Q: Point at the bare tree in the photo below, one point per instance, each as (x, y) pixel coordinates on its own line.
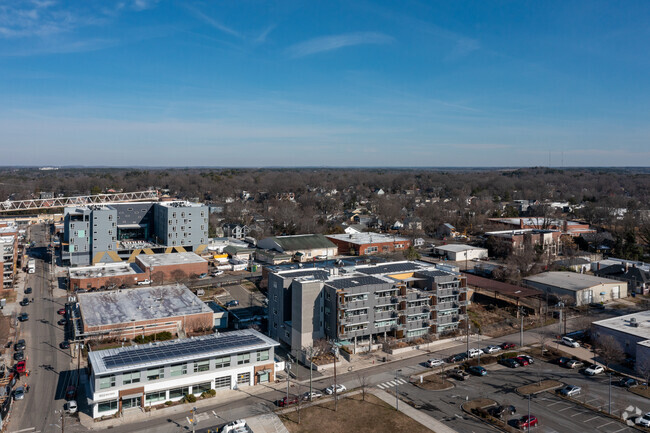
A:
(178, 275)
(543, 337)
(609, 350)
(364, 384)
(300, 400)
(158, 278)
(643, 368)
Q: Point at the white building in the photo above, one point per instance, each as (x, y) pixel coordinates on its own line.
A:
(580, 289)
(632, 332)
(459, 252)
(133, 377)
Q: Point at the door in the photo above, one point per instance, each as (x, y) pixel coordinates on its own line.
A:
(132, 402)
(616, 292)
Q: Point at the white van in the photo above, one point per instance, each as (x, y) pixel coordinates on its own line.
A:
(71, 406)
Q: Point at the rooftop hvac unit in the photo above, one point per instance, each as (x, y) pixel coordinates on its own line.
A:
(634, 323)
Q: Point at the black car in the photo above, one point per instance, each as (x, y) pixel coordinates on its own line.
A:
(19, 356)
(61, 322)
(509, 362)
(457, 358)
(501, 411)
(562, 361)
(24, 302)
(20, 345)
(28, 290)
(64, 345)
(627, 382)
(23, 317)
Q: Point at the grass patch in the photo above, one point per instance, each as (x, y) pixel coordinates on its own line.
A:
(537, 387)
(353, 415)
(479, 403)
(9, 295)
(641, 390)
(434, 382)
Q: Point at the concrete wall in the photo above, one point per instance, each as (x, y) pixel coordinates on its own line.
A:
(306, 313)
(585, 296)
(189, 323)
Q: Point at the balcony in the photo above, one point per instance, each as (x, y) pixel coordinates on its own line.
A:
(446, 306)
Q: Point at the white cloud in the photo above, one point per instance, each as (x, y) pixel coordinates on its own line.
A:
(334, 42)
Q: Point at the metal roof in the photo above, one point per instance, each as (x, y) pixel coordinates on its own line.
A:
(319, 274)
(569, 280)
(302, 242)
(390, 268)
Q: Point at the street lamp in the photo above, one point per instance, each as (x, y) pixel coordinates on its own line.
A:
(396, 389)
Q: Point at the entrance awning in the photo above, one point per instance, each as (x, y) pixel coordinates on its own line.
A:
(125, 397)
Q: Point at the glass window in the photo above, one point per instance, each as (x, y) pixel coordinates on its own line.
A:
(178, 369)
(243, 358)
(262, 355)
(222, 362)
(200, 366)
(106, 382)
(201, 388)
(107, 406)
(222, 382)
(244, 378)
(155, 373)
(179, 392)
(154, 397)
(133, 377)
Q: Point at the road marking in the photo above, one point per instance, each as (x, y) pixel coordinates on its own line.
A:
(25, 430)
(579, 413)
(557, 402)
(624, 428)
(591, 419)
(611, 422)
(566, 408)
(593, 399)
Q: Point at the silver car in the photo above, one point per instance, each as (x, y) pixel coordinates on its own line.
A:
(570, 391)
(19, 393)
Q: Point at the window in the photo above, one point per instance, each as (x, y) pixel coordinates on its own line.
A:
(178, 370)
(201, 388)
(200, 366)
(222, 382)
(155, 373)
(107, 406)
(133, 377)
(106, 382)
(262, 355)
(222, 362)
(244, 379)
(154, 397)
(179, 392)
(243, 358)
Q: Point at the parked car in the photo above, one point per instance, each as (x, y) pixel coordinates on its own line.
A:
(501, 411)
(233, 425)
(506, 346)
(28, 290)
(20, 345)
(473, 353)
(521, 361)
(60, 311)
(23, 317)
(509, 362)
(19, 356)
(477, 370)
(339, 389)
(597, 305)
(71, 392)
(232, 303)
(203, 275)
(457, 358)
(491, 349)
(21, 367)
(144, 282)
(24, 302)
(434, 362)
(64, 345)
(459, 374)
(287, 401)
(19, 393)
(562, 361)
(61, 322)
(528, 358)
(314, 394)
(574, 363)
(644, 420)
(594, 369)
(568, 341)
(217, 273)
(71, 407)
(627, 382)
(527, 421)
(570, 391)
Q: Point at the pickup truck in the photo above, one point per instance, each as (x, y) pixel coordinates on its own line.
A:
(144, 282)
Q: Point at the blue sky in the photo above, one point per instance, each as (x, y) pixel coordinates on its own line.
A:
(324, 83)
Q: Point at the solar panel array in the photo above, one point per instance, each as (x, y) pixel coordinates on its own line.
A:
(186, 348)
(436, 274)
(316, 273)
(389, 268)
(347, 283)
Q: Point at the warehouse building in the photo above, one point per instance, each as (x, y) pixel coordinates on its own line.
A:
(301, 247)
(632, 332)
(577, 289)
(135, 377)
(361, 244)
(459, 252)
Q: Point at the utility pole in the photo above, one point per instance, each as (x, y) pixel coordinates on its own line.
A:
(521, 329)
(288, 369)
(311, 369)
(610, 394)
(336, 389)
(396, 391)
(467, 332)
(529, 412)
(478, 346)
(193, 419)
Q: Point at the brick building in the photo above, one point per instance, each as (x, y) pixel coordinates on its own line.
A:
(369, 243)
(165, 266)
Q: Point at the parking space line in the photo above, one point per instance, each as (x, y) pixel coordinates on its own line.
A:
(591, 419)
(611, 422)
(579, 413)
(557, 402)
(565, 408)
(624, 428)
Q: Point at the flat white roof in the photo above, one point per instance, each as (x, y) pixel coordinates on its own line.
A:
(169, 259)
(104, 270)
(624, 324)
(367, 238)
(571, 280)
(457, 248)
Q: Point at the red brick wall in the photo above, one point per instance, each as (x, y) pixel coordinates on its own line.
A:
(188, 268)
(360, 250)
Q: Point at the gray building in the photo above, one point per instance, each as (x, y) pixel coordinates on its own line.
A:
(358, 304)
(632, 332)
(113, 232)
(577, 289)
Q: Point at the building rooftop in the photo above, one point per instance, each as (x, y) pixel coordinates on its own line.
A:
(570, 280)
(105, 270)
(395, 267)
(149, 260)
(368, 238)
(301, 242)
(180, 203)
(126, 306)
(354, 281)
(176, 351)
(500, 287)
(457, 248)
(625, 324)
(519, 232)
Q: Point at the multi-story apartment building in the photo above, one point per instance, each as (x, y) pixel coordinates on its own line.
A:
(361, 303)
(8, 254)
(114, 232)
(134, 377)
(505, 242)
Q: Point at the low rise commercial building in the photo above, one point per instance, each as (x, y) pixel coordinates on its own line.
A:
(506, 242)
(577, 289)
(110, 275)
(165, 267)
(369, 243)
(301, 247)
(126, 314)
(632, 332)
(459, 252)
(134, 377)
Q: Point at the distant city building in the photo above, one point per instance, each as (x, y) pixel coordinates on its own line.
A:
(505, 242)
(577, 289)
(115, 232)
(301, 247)
(572, 228)
(457, 252)
(369, 243)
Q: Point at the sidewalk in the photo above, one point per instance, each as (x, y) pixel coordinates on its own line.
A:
(419, 416)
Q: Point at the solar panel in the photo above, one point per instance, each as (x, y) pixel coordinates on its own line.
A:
(179, 349)
(388, 268)
(346, 283)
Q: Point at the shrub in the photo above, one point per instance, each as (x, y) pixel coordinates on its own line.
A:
(168, 403)
(189, 398)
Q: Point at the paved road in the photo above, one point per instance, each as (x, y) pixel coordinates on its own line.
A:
(48, 365)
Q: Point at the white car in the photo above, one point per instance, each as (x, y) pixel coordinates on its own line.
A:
(492, 349)
(339, 389)
(234, 425)
(144, 282)
(434, 362)
(314, 394)
(71, 406)
(217, 273)
(644, 420)
(473, 353)
(568, 341)
(594, 369)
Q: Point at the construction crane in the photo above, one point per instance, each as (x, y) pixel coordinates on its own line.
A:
(82, 200)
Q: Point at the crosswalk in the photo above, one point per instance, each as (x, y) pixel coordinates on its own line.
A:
(391, 384)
